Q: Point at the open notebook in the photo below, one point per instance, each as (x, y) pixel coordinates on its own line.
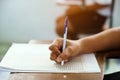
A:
(36, 58)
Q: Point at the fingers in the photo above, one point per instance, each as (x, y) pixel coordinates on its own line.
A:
(59, 58)
(55, 48)
(62, 57)
(56, 45)
(57, 55)
(65, 55)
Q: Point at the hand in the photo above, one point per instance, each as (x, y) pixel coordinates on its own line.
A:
(71, 50)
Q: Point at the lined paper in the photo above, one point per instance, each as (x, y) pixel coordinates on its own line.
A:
(36, 58)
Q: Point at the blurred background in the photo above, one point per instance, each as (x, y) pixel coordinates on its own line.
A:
(24, 20)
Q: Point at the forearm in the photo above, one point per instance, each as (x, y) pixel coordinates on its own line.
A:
(106, 40)
(97, 6)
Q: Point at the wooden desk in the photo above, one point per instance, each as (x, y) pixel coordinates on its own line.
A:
(59, 76)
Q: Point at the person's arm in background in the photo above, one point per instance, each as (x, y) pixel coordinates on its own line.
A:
(106, 40)
(88, 4)
(97, 6)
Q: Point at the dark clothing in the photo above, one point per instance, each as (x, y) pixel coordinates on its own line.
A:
(113, 76)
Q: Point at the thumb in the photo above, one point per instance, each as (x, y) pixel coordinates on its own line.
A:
(65, 55)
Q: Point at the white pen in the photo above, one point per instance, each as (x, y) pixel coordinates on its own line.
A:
(65, 36)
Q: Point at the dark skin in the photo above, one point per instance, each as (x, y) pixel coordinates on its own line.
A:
(106, 40)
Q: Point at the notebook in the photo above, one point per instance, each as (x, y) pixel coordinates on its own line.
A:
(36, 58)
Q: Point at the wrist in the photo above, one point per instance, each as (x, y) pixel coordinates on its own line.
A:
(84, 45)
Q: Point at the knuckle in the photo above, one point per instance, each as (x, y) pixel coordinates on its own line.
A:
(64, 56)
(58, 39)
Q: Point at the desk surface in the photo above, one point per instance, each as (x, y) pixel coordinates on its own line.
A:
(59, 76)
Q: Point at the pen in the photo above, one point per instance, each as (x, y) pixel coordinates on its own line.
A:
(64, 36)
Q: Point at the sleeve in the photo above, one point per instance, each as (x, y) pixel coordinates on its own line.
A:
(87, 2)
(103, 1)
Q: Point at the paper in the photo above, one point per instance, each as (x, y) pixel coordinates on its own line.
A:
(36, 58)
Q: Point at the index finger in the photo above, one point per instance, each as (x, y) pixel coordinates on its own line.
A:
(56, 45)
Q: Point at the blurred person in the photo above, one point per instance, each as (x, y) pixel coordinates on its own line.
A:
(88, 17)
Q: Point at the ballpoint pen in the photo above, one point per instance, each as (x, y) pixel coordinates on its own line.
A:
(65, 36)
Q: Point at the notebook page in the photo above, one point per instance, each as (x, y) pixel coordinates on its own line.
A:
(36, 58)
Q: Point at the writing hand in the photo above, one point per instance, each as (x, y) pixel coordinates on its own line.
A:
(71, 50)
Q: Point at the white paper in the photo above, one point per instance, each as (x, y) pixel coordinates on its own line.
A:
(36, 58)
